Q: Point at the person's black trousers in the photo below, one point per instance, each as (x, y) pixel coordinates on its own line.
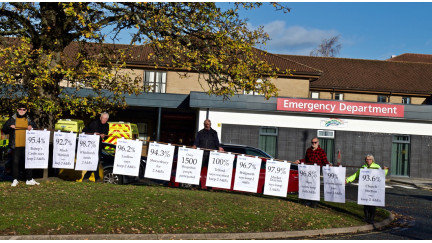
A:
(369, 212)
(18, 164)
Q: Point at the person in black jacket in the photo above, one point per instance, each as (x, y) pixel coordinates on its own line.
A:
(207, 138)
(99, 127)
(16, 127)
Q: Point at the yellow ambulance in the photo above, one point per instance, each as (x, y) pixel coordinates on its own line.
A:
(4, 138)
(67, 125)
(119, 129)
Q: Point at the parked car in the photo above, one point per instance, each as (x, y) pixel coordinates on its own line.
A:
(247, 150)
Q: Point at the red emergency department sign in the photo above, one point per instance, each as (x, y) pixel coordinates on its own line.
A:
(338, 107)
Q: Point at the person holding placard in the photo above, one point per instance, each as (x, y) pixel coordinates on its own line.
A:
(314, 155)
(207, 138)
(369, 211)
(16, 127)
(99, 127)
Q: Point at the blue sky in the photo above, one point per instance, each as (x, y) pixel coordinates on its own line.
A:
(368, 30)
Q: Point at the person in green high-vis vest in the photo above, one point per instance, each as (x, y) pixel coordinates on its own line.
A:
(369, 211)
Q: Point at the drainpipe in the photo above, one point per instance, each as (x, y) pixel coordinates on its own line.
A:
(158, 124)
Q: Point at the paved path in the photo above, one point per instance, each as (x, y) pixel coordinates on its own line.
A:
(209, 236)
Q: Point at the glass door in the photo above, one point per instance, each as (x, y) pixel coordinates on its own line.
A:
(400, 155)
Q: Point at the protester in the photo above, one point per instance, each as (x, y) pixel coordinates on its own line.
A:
(314, 155)
(16, 127)
(369, 211)
(207, 138)
(99, 127)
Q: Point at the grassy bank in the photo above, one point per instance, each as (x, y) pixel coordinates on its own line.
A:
(61, 207)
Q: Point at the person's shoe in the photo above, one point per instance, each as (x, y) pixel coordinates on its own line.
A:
(32, 182)
(15, 182)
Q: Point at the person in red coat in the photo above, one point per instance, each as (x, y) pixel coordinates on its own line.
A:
(314, 155)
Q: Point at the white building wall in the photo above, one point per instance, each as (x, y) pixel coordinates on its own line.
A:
(310, 122)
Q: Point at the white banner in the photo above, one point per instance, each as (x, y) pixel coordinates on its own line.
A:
(371, 188)
(189, 162)
(276, 178)
(127, 157)
(334, 184)
(247, 173)
(159, 161)
(37, 149)
(309, 182)
(88, 152)
(220, 168)
(64, 150)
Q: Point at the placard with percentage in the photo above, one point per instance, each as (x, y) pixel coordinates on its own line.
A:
(276, 178)
(88, 152)
(37, 149)
(189, 162)
(334, 184)
(219, 173)
(371, 188)
(159, 161)
(309, 182)
(127, 157)
(247, 173)
(64, 150)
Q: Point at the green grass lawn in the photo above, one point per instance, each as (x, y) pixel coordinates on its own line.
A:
(64, 207)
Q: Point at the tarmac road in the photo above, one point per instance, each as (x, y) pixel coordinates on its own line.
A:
(412, 208)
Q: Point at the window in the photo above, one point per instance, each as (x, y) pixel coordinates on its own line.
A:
(325, 134)
(338, 96)
(268, 140)
(155, 81)
(406, 100)
(259, 81)
(382, 98)
(315, 95)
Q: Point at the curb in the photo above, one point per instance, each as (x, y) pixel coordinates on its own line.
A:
(208, 236)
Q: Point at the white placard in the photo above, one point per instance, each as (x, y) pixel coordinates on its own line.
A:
(334, 184)
(189, 162)
(37, 149)
(371, 188)
(159, 161)
(247, 173)
(127, 157)
(64, 150)
(219, 173)
(88, 152)
(276, 178)
(309, 182)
